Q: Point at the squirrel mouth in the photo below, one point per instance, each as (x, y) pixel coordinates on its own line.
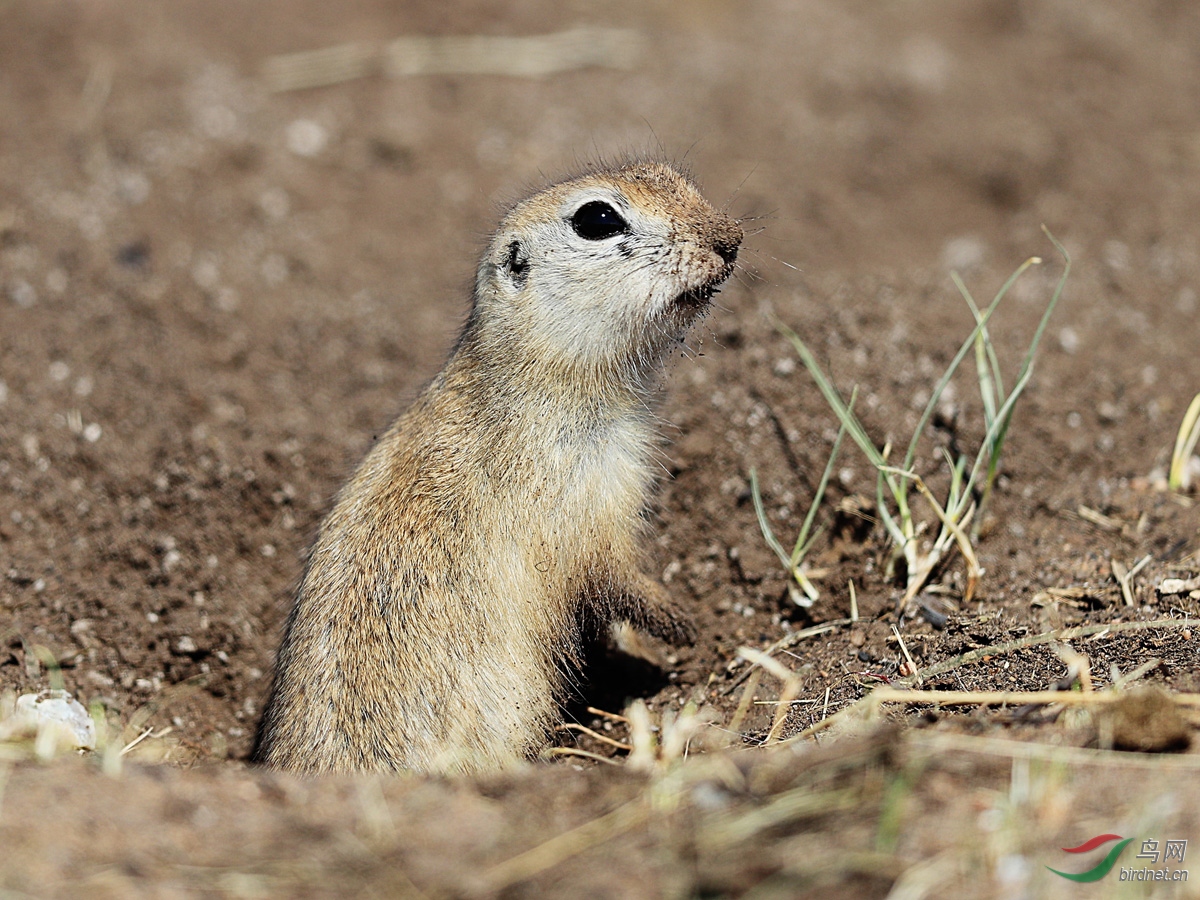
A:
(698, 297)
(695, 299)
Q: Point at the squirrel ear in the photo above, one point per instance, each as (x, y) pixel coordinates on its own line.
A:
(516, 263)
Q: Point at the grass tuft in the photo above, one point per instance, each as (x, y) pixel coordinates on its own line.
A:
(971, 480)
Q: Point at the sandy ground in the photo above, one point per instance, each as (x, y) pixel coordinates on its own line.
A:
(214, 296)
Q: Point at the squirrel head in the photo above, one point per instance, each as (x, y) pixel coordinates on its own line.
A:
(607, 269)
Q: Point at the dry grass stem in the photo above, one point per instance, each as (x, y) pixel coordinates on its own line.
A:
(1011, 698)
(926, 564)
(788, 641)
(562, 847)
(318, 68)
(945, 744)
(608, 715)
(1065, 634)
(743, 707)
(168, 696)
(791, 690)
(773, 666)
(791, 687)
(1139, 673)
(1125, 576)
(1108, 523)
(533, 56)
(595, 735)
(551, 752)
(868, 707)
(1076, 596)
(864, 709)
(924, 878)
(777, 702)
(148, 733)
(641, 738)
(730, 830)
(912, 663)
(957, 527)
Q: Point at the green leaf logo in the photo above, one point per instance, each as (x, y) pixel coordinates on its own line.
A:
(1105, 865)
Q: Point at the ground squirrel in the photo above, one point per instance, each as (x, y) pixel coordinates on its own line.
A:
(500, 519)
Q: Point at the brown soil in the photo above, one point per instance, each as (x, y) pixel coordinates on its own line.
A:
(202, 330)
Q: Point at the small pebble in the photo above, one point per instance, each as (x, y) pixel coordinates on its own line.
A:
(22, 294)
(963, 253)
(54, 719)
(306, 137)
(274, 202)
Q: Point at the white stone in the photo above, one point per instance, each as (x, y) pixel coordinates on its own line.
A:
(964, 253)
(306, 137)
(22, 293)
(275, 203)
(55, 720)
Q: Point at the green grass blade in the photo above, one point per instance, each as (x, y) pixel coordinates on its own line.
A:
(802, 542)
(895, 532)
(993, 443)
(958, 498)
(940, 387)
(767, 533)
(812, 539)
(847, 418)
(989, 348)
(988, 369)
(1185, 445)
(810, 590)
(855, 429)
(1027, 365)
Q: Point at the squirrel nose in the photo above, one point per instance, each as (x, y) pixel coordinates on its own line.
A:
(726, 240)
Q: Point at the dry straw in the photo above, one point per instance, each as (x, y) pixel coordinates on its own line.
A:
(534, 56)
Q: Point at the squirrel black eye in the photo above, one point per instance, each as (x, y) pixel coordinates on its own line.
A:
(597, 220)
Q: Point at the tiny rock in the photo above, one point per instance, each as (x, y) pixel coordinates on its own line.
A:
(53, 719)
(1171, 586)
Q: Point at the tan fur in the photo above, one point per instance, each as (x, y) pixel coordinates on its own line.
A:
(502, 516)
